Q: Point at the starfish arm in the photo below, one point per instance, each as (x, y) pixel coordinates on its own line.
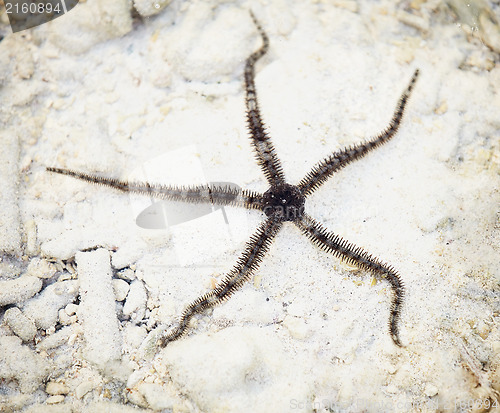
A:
(264, 149)
(213, 194)
(322, 171)
(352, 254)
(247, 264)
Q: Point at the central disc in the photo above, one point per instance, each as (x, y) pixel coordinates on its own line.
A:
(285, 202)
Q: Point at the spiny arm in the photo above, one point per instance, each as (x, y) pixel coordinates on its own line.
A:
(213, 194)
(247, 264)
(264, 149)
(322, 171)
(354, 255)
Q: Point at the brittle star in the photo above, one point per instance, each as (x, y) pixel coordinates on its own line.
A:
(282, 202)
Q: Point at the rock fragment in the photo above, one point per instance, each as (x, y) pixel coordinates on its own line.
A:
(21, 325)
(55, 388)
(55, 399)
(148, 8)
(121, 289)
(59, 338)
(44, 309)
(20, 363)
(18, 290)
(97, 308)
(10, 221)
(84, 387)
(41, 268)
(135, 305)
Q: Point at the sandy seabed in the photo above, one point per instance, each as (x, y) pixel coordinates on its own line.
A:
(84, 289)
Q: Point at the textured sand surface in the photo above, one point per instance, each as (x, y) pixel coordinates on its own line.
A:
(85, 290)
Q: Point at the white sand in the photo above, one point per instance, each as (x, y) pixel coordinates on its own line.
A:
(98, 91)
